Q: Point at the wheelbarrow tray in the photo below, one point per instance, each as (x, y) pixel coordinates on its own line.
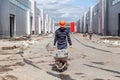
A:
(60, 58)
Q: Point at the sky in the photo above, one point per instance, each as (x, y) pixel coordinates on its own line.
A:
(68, 10)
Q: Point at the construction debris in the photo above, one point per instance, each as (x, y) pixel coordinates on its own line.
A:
(28, 37)
(48, 36)
(9, 77)
(85, 35)
(111, 42)
(9, 48)
(26, 44)
(111, 38)
(6, 52)
(32, 42)
(106, 41)
(117, 43)
(12, 49)
(49, 47)
(18, 39)
(22, 38)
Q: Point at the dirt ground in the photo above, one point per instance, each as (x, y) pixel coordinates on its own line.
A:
(88, 60)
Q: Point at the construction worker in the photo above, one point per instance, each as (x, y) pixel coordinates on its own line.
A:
(62, 36)
(90, 35)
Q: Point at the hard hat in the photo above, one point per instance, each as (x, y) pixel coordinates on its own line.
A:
(62, 23)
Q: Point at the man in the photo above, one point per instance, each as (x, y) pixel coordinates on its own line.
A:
(61, 36)
(90, 35)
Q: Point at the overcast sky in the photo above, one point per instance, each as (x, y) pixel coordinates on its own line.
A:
(69, 10)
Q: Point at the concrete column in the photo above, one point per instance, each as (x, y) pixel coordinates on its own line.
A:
(103, 8)
(53, 31)
(35, 25)
(105, 17)
(47, 23)
(42, 19)
(101, 17)
(28, 22)
(50, 24)
(91, 17)
(45, 27)
(40, 25)
(33, 12)
(84, 28)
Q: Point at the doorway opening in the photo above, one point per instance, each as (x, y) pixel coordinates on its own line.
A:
(31, 24)
(87, 28)
(119, 25)
(12, 25)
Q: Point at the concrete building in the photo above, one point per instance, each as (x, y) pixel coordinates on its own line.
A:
(88, 20)
(103, 18)
(82, 24)
(112, 17)
(43, 20)
(109, 21)
(23, 17)
(96, 16)
(106, 15)
(36, 19)
(46, 24)
(53, 26)
(33, 16)
(38, 22)
(50, 25)
(14, 16)
(78, 26)
(86, 24)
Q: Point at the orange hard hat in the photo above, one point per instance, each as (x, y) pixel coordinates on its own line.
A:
(62, 23)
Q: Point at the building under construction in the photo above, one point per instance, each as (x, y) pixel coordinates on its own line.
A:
(103, 18)
(21, 17)
(14, 16)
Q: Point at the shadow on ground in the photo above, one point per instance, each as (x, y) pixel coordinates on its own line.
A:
(29, 62)
(61, 76)
(113, 71)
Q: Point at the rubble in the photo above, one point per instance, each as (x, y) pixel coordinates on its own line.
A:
(106, 41)
(32, 42)
(26, 44)
(49, 47)
(110, 38)
(85, 35)
(18, 39)
(7, 52)
(9, 47)
(10, 50)
(9, 77)
(117, 43)
(22, 38)
(109, 41)
(5, 69)
(48, 36)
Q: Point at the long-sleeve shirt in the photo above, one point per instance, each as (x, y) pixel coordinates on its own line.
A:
(62, 36)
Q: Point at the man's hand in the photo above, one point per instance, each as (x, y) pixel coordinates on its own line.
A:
(70, 48)
(54, 48)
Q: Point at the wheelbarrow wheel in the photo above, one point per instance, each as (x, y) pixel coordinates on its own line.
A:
(60, 70)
